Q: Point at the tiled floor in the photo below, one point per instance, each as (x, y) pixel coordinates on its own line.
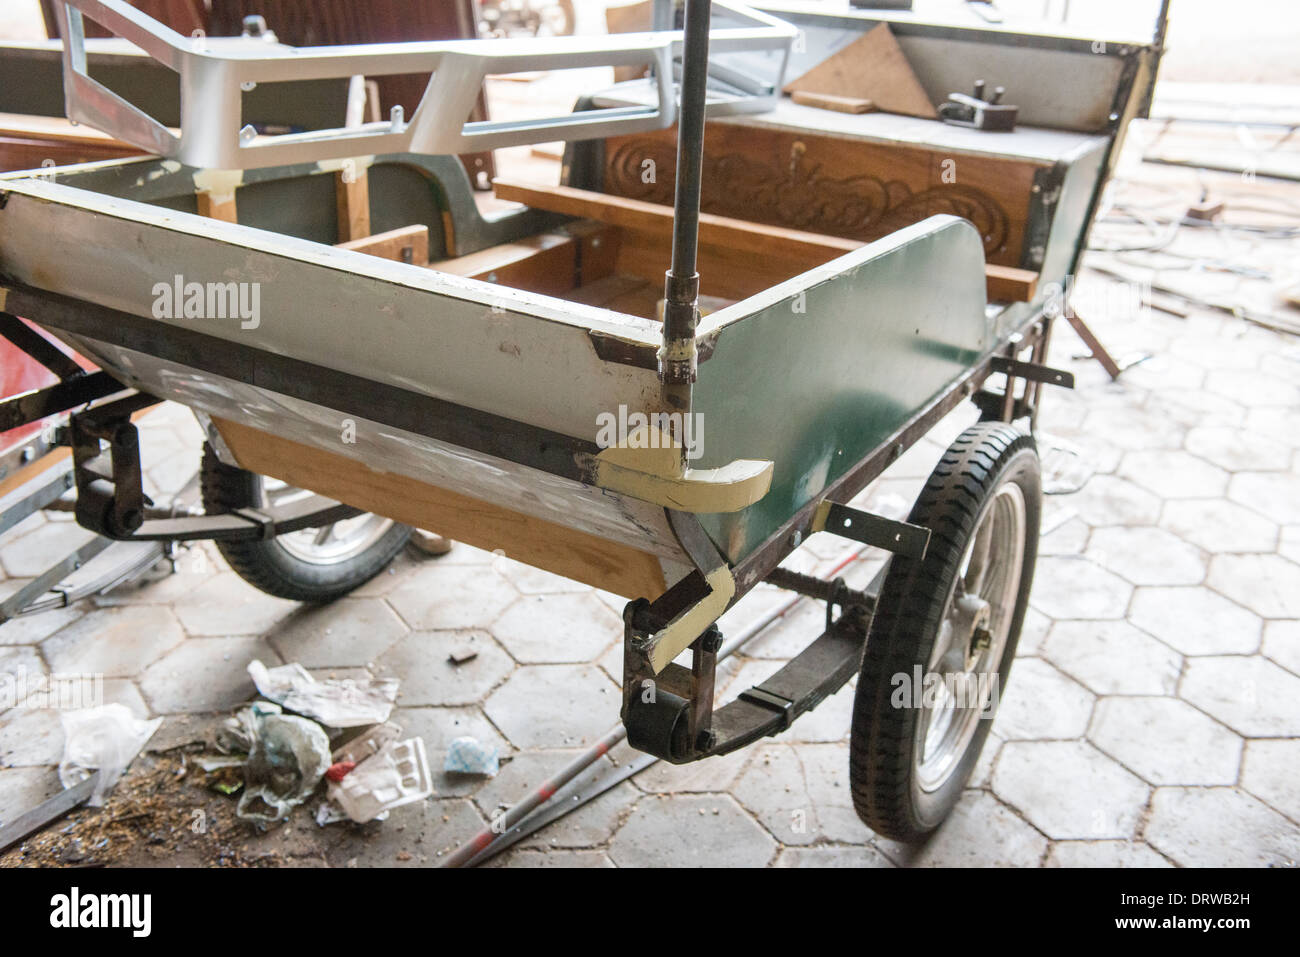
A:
(1153, 717)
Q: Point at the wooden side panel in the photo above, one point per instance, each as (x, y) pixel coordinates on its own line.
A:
(826, 184)
(556, 548)
(409, 244)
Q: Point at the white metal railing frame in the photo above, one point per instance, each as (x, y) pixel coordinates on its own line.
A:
(214, 75)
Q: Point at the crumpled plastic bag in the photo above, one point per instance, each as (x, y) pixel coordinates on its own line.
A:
(346, 703)
(288, 757)
(106, 738)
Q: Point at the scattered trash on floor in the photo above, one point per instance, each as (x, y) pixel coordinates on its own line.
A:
(470, 756)
(104, 739)
(395, 775)
(288, 758)
(345, 703)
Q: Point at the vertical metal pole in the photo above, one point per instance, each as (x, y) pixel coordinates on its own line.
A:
(677, 356)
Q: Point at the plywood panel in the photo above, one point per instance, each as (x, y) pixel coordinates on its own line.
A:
(556, 548)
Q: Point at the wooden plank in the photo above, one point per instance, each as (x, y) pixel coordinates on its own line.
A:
(223, 209)
(743, 236)
(352, 195)
(1007, 284)
(872, 67)
(546, 263)
(565, 551)
(408, 244)
(830, 101)
(737, 258)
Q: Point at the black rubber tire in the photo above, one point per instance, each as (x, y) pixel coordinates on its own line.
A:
(882, 759)
(267, 565)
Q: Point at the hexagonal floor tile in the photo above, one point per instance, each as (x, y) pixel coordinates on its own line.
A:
(1251, 695)
(116, 642)
(32, 629)
(38, 550)
(554, 706)
(1196, 407)
(550, 629)
(687, 830)
(1282, 644)
(226, 605)
(205, 674)
(1033, 632)
(1220, 827)
(1279, 424)
(1078, 588)
(1218, 525)
(21, 661)
(1268, 585)
(1215, 352)
(1134, 429)
(1288, 543)
(1069, 789)
(980, 832)
(1270, 771)
(1068, 538)
(453, 597)
(1112, 657)
(822, 857)
(22, 789)
(1041, 703)
(1107, 854)
(1251, 388)
(422, 660)
(801, 794)
(1108, 500)
(1275, 495)
(1196, 621)
(1166, 741)
(1236, 450)
(1147, 556)
(30, 737)
(1173, 474)
(352, 632)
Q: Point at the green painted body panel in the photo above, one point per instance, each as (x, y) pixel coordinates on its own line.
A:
(833, 361)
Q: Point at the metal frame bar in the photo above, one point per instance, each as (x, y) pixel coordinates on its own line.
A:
(212, 134)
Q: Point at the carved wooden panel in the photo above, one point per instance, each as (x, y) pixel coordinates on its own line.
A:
(824, 184)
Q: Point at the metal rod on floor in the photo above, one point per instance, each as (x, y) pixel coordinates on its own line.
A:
(509, 828)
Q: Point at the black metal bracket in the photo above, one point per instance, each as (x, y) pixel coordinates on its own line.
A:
(1032, 371)
(111, 499)
(110, 484)
(900, 538)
